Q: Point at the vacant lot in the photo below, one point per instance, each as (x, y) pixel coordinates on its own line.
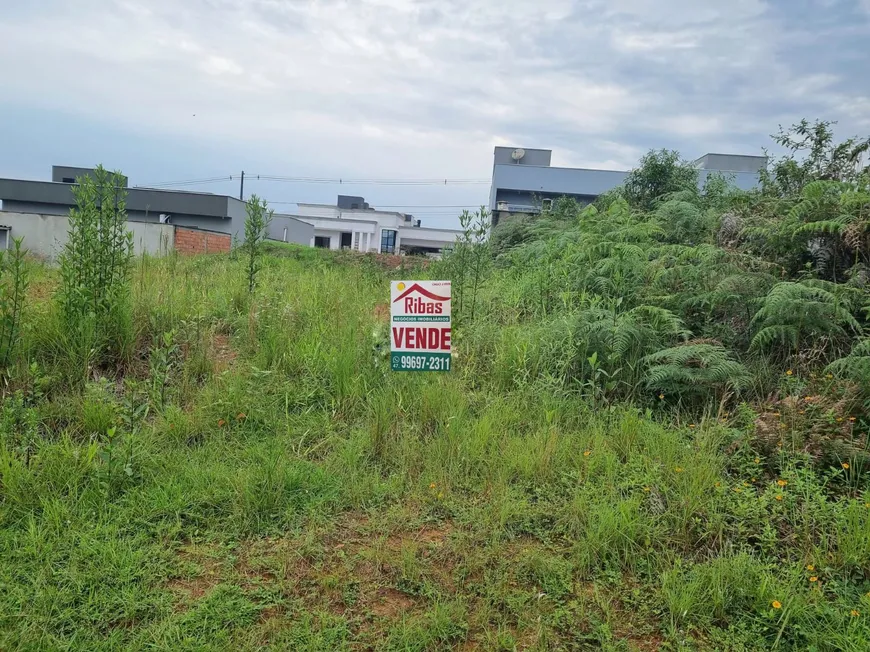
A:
(254, 476)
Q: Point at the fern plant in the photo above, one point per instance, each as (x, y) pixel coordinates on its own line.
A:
(694, 369)
(855, 366)
(797, 314)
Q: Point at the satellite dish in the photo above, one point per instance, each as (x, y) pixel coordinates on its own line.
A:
(518, 154)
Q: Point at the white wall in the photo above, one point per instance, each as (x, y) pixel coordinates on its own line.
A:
(45, 235)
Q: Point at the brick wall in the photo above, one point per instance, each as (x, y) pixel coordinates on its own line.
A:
(193, 241)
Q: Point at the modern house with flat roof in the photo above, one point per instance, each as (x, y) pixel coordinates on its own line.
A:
(523, 181)
(353, 224)
(195, 210)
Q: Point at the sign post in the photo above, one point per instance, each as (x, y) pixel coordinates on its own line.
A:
(420, 325)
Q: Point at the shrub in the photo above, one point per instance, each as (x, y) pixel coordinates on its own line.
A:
(256, 229)
(95, 267)
(13, 289)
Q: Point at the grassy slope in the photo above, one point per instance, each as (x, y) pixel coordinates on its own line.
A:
(292, 493)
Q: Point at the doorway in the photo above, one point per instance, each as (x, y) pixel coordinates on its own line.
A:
(346, 240)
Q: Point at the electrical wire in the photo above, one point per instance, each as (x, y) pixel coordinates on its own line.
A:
(384, 182)
(186, 182)
(380, 206)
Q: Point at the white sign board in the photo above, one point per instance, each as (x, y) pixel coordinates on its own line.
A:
(420, 325)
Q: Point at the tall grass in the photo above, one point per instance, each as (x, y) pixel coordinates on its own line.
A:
(494, 504)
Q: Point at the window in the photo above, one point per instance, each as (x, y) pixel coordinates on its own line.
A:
(546, 205)
(388, 241)
(68, 180)
(321, 241)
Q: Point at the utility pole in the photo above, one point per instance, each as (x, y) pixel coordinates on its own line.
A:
(242, 188)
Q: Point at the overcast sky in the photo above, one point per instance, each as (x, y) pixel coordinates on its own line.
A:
(170, 90)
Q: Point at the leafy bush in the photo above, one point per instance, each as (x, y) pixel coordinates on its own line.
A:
(256, 229)
(95, 267)
(13, 290)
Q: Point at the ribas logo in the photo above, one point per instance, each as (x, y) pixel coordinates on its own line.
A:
(417, 305)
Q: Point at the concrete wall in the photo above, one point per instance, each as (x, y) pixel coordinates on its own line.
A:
(504, 156)
(46, 235)
(288, 229)
(61, 172)
(732, 162)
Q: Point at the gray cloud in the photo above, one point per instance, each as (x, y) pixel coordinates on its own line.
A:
(402, 88)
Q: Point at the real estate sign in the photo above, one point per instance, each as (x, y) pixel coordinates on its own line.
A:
(420, 325)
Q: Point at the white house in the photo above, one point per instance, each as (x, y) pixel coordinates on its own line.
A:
(353, 224)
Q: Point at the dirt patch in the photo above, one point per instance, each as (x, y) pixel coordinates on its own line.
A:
(426, 536)
(389, 603)
(650, 643)
(223, 354)
(271, 612)
(193, 588)
(382, 312)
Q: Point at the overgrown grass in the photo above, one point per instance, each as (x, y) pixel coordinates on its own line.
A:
(270, 483)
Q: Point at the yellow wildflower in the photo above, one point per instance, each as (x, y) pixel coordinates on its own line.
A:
(778, 497)
(661, 397)
(845, 465)
(776, 604)
(782, 483)
(810, 567)
(587, 453)
(788, 373)
(854, 613)
(814, 579)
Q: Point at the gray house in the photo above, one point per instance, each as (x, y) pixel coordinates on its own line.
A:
(197, 210)
(523, 181)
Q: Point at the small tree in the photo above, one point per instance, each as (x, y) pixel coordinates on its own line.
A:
(661, 172)
(256, 228)
(13, 291)
(467, 261)
(813, 154)
(96, 261)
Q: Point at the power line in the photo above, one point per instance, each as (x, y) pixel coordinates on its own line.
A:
(385, 182)
(380, 206)
(185, 182)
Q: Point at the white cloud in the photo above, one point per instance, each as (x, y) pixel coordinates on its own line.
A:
(426, 87)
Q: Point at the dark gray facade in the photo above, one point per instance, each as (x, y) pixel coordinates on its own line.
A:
(192, 209)
(67, 174)
(352, 203)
